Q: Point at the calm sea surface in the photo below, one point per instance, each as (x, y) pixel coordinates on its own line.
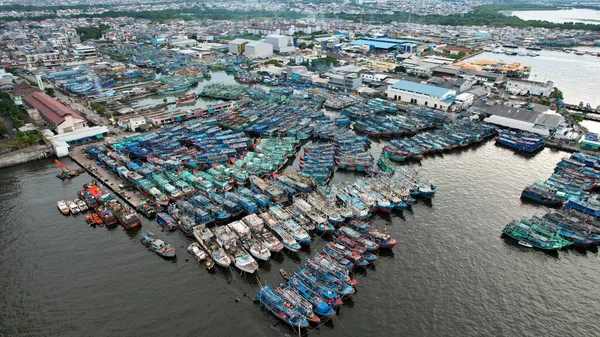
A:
(588, 16)
(451, 275)
(577, 76)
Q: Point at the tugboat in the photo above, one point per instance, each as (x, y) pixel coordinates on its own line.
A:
(158, 246)
(88, 198)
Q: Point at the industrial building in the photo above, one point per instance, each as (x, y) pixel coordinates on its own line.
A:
(300, 74)
(58, 117)
(418, 67)
(386, 45)
(85, 53)
(250, 48)
(268, 30)
(183, 43)
(521, 119)
(62, 142)
(258, 49)
(238, 46)
(343, 81)
(422, 94)
(526, 87)
(281, 43)
(463, 101)
(346, 77)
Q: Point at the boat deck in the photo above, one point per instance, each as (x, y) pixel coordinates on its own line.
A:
(111, 180)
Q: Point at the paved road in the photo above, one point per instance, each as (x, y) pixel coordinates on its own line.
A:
(78, 105)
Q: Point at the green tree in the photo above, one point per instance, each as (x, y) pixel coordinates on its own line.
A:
(400, 69)
(557, 94)
(275, 63)
(50, 92)
(4, 130)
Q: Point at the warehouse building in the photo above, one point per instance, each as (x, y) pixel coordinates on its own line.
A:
(53, 113)
(238, 46)
(521, 119)
(422, 94)
(526, 87)
(386, 45)
(281, 43)
(257, 49)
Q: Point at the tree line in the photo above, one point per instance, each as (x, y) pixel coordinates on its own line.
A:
(486, 15)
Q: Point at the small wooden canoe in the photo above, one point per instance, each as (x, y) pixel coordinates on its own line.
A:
(284, 274)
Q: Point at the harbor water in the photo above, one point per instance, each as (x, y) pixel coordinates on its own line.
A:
(566, 70)
(201, 102)
(450, 275)
(582, 15)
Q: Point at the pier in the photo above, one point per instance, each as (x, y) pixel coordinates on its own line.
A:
(581, 108)
(565, 146)
(591, 116)
(109, 179)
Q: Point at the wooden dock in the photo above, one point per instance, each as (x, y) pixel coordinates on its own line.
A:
(109, 179)
(569, 147)
(581, 108)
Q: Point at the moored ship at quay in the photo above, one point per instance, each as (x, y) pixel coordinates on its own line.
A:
(219, 181)
(109, 210)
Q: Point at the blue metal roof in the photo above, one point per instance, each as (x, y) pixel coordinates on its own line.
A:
(375, 44)
(421, 88)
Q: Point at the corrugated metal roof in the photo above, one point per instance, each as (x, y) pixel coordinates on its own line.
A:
(375, 44)
(421, 88)
(549, 120)
(383, 39)
(49, 107)
(82, 133)
(515, 124)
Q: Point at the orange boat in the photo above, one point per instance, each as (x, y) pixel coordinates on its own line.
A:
(93, 219)
(101, 195)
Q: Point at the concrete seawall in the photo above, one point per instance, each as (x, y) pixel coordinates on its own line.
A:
(25, 155)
